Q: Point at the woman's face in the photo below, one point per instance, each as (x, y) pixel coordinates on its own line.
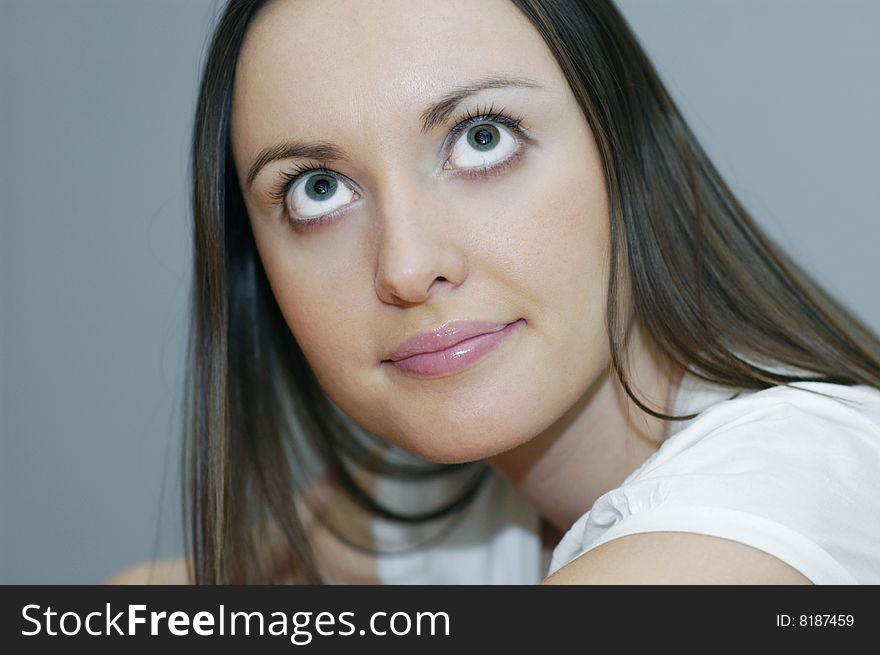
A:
(417, 234)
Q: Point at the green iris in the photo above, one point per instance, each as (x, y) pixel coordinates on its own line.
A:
(321, 187)
(483, 137)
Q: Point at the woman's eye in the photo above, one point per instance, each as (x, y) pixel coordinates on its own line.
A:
(312, 195)
(318, 194)
(482, 146)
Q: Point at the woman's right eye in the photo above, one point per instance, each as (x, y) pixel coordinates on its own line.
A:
(316, 194)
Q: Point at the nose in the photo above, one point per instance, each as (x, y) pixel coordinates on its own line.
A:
(418, 252)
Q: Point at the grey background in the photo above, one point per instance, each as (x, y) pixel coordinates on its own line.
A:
(96, 100)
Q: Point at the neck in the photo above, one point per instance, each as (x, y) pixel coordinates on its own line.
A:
(599, 440)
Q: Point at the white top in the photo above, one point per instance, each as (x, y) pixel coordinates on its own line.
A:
(496, 541)
(793, 473)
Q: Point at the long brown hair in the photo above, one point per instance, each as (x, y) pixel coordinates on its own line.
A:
(718, 298)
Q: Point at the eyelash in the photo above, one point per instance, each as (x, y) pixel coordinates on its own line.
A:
(464, 122)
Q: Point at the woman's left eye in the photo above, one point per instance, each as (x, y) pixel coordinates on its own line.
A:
(482, 146)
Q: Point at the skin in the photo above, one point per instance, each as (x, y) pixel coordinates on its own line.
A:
(417, 243)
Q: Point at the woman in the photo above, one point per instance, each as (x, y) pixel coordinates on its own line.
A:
(474, 247)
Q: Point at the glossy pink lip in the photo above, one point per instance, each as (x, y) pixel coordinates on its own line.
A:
(452, 348)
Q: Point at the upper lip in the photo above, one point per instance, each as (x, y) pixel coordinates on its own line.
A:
(446, 336)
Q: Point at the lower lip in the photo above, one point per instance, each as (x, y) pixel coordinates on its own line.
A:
(456, 358)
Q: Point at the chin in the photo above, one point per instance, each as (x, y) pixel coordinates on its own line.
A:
(449, 445)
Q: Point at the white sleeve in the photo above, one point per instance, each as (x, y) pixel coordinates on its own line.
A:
(789, 473)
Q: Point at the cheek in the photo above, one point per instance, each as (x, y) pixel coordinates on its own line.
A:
(545, 234)
(578, 265)
(560, 235)
(322, 305)
(565, 269)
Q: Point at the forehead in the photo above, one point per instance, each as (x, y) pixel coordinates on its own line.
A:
(311, 63)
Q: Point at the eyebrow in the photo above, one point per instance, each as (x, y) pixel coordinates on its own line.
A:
(432, 115)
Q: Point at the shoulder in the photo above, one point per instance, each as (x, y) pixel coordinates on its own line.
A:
(788, 426)
(337, 562)
(776, 451)
(676, 558)
(171, 571)
(781, 482)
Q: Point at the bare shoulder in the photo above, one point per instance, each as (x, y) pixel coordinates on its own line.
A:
(676, 558)
(171, 571)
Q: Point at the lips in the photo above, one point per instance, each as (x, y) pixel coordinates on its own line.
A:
(451, 349)
(442, 338)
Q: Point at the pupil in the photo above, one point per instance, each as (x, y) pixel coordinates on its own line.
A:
(483, 137)
(321, 188)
